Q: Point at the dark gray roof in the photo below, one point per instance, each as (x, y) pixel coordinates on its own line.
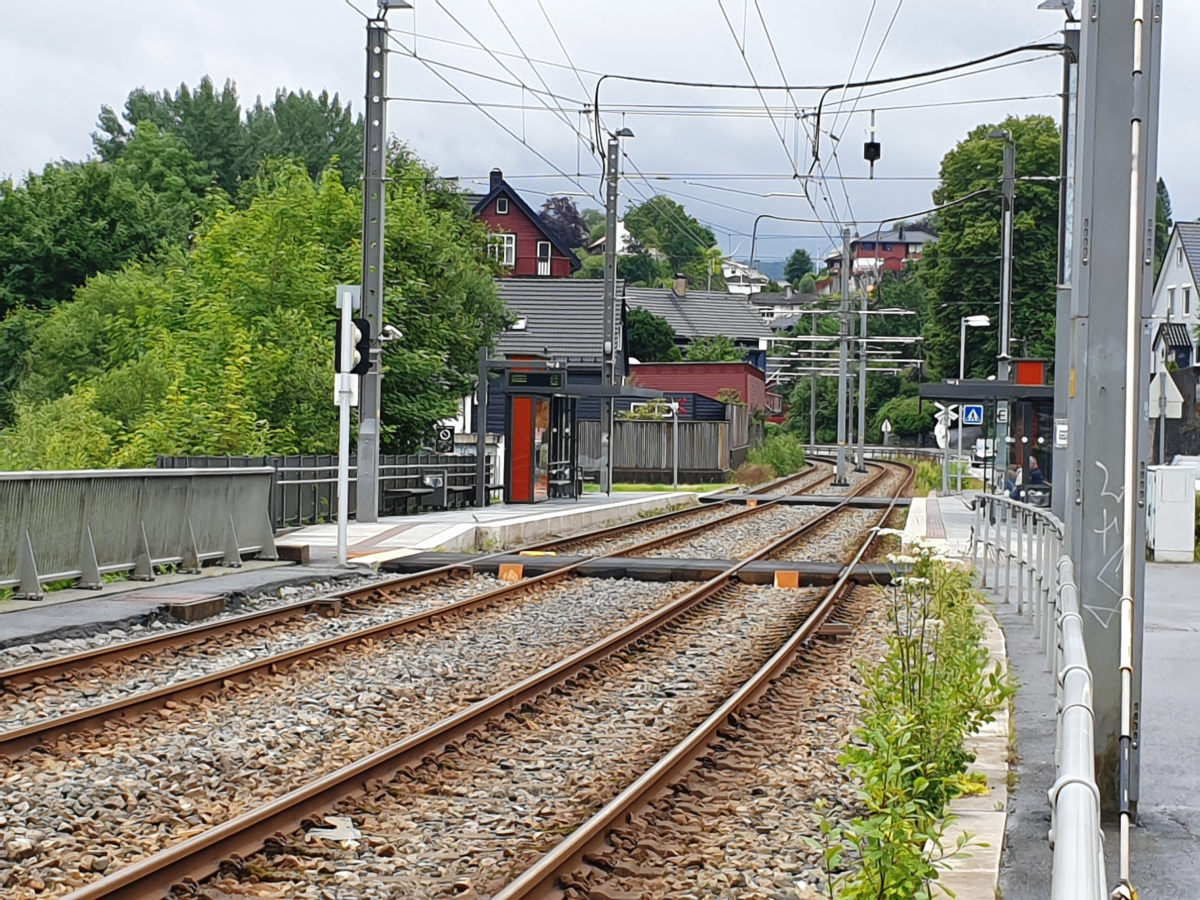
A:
(1189, 235)
(564, 317)
(700, 314)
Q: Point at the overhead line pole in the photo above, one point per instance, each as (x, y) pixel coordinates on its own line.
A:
(374, 180)
(1112, 267)
(608, 373)
(843, 361)
(862, 383)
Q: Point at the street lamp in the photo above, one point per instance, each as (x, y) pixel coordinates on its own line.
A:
(965, 323)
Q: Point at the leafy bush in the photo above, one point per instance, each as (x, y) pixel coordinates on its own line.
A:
(908, 416)
(754, 473)
(782, 453)
(909, 758)
(928, 477)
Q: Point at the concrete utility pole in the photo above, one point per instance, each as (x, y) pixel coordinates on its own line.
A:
(843, 361)
(608, 373)
(1112, 267)
(1006, 254)
(374, 178)
(1066, 199)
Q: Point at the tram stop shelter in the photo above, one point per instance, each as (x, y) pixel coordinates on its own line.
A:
(1031, 415)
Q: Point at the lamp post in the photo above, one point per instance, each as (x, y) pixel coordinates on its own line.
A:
(964, 323)
(1009, 183)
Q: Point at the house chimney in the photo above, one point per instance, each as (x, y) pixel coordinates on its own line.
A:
(497, 178)
(787, 292)
(680, 286)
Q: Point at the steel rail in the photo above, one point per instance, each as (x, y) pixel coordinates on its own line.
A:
(17, 741)
(541, 879)
(200, 856)
(128, 651)
(611, 530)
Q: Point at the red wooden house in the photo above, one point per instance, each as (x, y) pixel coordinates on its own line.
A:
(519, 239)
(707, 379)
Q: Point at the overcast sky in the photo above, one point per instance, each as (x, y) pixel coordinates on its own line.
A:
(59, 64)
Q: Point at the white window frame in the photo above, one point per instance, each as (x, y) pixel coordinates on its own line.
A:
(502, 206)
(502, 246)
(544, 260)
(1187, 300)
(1170, 300)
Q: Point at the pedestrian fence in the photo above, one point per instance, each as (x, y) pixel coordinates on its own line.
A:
(304, 488)
(83, 525)
(1018, 551)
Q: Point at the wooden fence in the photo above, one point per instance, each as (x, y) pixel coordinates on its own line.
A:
(642, 451)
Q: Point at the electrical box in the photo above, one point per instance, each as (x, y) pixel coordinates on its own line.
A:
(1171, 513)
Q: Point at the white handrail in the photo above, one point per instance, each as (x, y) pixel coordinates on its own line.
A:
(1027, 541)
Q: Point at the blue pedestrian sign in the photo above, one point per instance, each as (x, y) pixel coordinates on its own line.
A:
(973, 414)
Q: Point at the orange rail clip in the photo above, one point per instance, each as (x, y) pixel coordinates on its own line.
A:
(752, 503)
(511, 571)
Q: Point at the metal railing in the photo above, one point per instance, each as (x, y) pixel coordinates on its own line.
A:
(85, 524)
(1026, 542)
(304, 489)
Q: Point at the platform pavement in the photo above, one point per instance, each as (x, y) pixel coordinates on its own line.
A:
(77, 613)
(1165, 845)
(498, 525)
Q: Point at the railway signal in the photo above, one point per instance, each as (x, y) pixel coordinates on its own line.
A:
(360, 348)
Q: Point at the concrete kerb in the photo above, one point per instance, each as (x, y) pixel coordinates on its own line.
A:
(533, 528)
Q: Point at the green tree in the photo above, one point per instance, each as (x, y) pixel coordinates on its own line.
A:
(74, 220)
(1162, 225)
(651, 338)
(798, 265)
(908, 415)
(562, 220)
(808, 283)
(718, 348)
(662, 224)
(232, 146)
(229, 348)
(962, 269)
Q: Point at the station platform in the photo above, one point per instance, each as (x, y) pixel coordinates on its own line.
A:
(119, 604)
(493, 527)
(1165, 844)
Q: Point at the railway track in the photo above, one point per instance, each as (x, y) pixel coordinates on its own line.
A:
(230, 833)
(56, 696)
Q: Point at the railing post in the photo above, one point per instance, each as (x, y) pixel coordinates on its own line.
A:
(1021, 563)
(998, 509)
(976, 534)
(1008, 556)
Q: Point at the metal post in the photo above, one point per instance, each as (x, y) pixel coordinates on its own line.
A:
(1112, 266)
(608, 371)
(675, 448)
(481, 403)
(1021, 563)
(1008, 555)
(1006, 255)
(812, 397)
(374, 179)
(843, 362)
(946, 451)
(862, 383)
(985, 529)
(344, 390)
